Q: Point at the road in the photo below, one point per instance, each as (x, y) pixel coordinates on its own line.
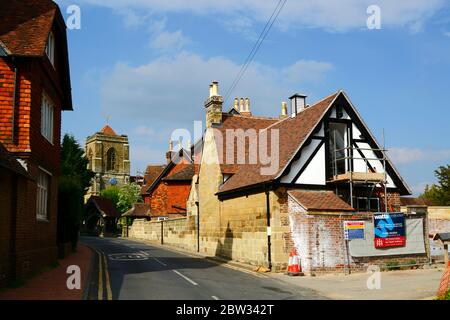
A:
(130, 270)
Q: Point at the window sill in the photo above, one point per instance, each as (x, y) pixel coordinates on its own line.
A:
(41, 219)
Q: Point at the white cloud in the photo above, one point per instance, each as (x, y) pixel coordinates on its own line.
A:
(169, 41)
(173, 89)
(403, 155)
(328, 14)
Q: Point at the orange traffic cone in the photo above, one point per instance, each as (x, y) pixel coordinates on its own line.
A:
(294, 268)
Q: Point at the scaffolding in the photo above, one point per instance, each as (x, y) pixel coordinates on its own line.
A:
(370, 176)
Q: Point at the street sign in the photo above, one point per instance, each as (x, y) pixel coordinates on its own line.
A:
(354, 230)
(389, 229)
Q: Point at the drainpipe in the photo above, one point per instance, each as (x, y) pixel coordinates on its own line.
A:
(269, 231)
(13, 116)
(198, 226)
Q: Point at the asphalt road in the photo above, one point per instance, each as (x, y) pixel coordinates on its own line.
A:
(129, 270)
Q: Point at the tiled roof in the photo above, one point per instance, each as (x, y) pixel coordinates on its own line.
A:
(409, 201)
(108, 131)
(185, 174)
(104, 205)
(9, 162)
(233, 122)
(292, 133)
(138, 210)
(25, 25)
(151, 173)
(320, 200)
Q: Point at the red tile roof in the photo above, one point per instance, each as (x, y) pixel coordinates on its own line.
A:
(139, 210)
(184, 174)
(25, 25)
(320, 200)
(151, 174)
(410, 201)
(108, 131)
(104, 205)
(292, 133)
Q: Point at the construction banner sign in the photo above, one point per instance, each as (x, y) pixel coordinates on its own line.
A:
(389, 229)
(354, 230)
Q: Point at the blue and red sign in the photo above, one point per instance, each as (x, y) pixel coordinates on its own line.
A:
(389, 229)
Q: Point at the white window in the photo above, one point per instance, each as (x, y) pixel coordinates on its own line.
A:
(43, 184)
(47, 118)
(50, 48)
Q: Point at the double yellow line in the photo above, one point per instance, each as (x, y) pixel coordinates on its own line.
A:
(101, 267)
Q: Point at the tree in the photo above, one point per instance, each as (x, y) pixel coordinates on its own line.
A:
(439, 193)
(111, 193)
(73, 183)
(123, 197)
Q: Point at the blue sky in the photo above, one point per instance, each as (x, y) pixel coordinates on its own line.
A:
(148, 64)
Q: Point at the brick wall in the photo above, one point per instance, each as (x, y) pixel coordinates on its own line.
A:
(167, 194)
(319, 240)
(34, 241)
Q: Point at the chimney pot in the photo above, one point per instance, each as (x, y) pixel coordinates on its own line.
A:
(247, 105)
(236, 104)
(283, 109)
(215, 88)
(241, 105)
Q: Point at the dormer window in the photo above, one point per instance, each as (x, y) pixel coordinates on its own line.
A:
(50, 48)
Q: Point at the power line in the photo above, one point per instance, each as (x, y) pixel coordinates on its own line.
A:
(256, 47)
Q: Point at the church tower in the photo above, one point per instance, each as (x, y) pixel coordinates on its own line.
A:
(108, 155)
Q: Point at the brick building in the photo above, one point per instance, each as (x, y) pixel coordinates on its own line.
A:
(34, 90)
(166, 193)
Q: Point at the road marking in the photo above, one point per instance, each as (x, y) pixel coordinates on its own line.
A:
(157, 260)
(108, 284)
(215, 298)
(100, 277)
(186, 278)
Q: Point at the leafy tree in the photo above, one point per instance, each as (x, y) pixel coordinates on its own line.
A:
(128, 195)
(73, 183)
(439, 193)
(111, 193)
(123, 197)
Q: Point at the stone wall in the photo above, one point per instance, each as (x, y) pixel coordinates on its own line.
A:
(179, 232)
(439, 219)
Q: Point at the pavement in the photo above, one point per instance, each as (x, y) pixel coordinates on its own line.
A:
(52, 284)
(126, 270)
(419, 284)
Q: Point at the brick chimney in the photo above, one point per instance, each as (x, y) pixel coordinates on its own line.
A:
(245, 107)
(213, 105)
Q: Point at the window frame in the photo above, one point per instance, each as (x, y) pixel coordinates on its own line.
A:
(47, 118)
(50, 48)
(111, 151)
(43, 184)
